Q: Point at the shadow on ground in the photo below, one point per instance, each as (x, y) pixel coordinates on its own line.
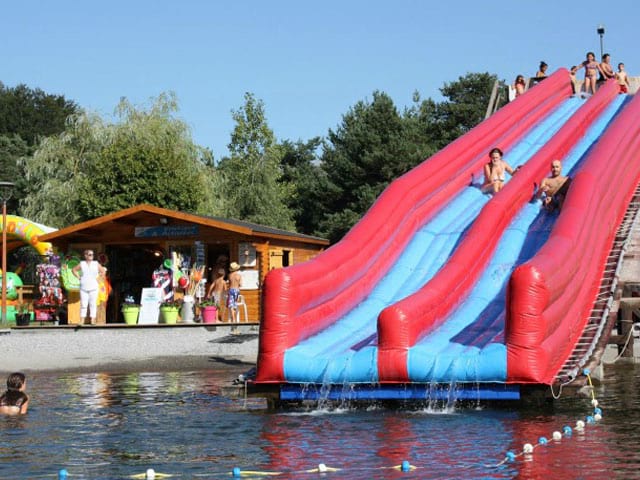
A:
(238, 338)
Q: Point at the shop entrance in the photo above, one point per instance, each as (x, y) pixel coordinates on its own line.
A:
(217, 258)
(130, 270)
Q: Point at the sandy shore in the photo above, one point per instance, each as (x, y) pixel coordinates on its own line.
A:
(122, 349)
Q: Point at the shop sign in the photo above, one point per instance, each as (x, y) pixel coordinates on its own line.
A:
(166, 231)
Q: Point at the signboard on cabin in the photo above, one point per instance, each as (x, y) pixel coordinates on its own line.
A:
(166, 231)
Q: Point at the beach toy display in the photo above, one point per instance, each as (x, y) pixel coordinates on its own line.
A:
(13, 281)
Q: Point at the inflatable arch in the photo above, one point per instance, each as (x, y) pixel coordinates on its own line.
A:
(29, 232)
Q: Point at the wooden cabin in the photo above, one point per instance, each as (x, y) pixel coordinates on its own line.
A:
(135, 242)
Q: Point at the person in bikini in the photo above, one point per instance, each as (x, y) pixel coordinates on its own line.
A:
(494, 172)
(591, 70)
(14, 401)
(519, 85)
(553, 189)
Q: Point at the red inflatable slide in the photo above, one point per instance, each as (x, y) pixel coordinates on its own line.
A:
(402, 324)
(302, 300)
(551, 295)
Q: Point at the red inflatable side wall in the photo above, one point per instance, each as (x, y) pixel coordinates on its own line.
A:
(550, 297)
(401, 325)
(302, 300)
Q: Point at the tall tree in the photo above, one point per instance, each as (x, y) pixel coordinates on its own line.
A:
(302, 171)
(32, 113)
(26, 116)
(253, 172)
(12, 149)
(466, 105)
(373, 145)
(149, 157)
(95, 168)
(56, 169)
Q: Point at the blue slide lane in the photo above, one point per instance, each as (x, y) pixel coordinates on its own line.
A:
(469, 346)
(347, 350)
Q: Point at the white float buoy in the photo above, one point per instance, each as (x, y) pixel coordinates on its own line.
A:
(151, 474)
(579, 425)
(597, 417)
(528, 448)
(594, 402)
(557, 436)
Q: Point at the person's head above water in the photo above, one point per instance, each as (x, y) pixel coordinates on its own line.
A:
(16, 381)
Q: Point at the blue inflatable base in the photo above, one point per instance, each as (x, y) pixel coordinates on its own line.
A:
(414, 392)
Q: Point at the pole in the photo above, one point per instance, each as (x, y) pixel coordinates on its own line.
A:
(600, 31)
(5, 190)
(4, 262)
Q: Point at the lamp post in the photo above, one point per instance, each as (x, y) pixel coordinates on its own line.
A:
(6, 189)
(600, 31)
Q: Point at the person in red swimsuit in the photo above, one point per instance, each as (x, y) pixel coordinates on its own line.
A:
(622, 78)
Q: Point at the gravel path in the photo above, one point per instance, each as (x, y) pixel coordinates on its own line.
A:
(121, 348)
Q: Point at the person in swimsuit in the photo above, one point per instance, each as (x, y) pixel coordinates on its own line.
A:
(14, 401)
(553, 189)
(519, 85)
(541, 74)
(606, 71)
(622, 78)
(235, 281)
(591, 69)
(494, 172)
(217, 290)
(575, 84)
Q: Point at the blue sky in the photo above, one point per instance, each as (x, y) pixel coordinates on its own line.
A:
(309, 62)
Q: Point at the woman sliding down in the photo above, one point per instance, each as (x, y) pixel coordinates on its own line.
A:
(494, 172)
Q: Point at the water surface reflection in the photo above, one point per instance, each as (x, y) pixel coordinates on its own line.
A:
(110, 426)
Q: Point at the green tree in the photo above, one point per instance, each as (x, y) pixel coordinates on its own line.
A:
(148, 157)
(301, 170)
(95, 168)
(373, 145)
(465, 107)
(12, 149)
(32, 113)
(26, 116)
(252, 174)
(56, 169)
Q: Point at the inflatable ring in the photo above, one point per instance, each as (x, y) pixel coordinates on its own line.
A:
(13, 281)
(29, 232)
(70, 282)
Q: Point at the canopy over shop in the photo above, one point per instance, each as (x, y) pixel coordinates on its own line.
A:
(133, 243)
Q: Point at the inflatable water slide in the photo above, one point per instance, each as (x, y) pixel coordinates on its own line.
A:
(443, 288)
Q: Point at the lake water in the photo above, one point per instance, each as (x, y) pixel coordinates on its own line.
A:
(115, 426)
